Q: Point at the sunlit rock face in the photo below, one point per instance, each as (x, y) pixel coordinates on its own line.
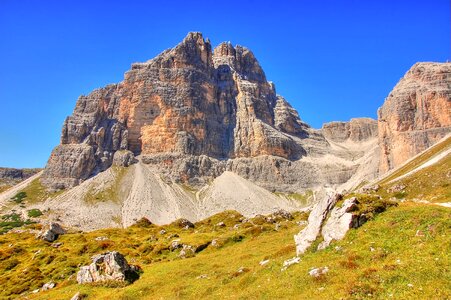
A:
(416, 114)
(187, 100)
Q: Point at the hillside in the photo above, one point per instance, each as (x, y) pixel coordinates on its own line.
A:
(397, 254)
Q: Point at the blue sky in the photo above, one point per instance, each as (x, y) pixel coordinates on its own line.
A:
(332, 60)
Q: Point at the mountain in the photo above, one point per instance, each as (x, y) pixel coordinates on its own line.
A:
(399, 254)
(197, 112)
(196, 131)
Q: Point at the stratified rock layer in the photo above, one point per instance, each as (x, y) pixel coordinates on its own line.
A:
(355, 130)
(416, 114)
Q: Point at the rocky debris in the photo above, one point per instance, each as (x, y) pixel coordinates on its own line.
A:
(416, 114)
(162, 232)
(215, 243)
(175, 245)
(316, 218)
(187, 251)
(101, 238)
(123, 158)
(290, 262)
(263, 262)
(281, 214)
(56, 245)
(184, 223)
(221, 224)
(202, 276)
(51, 233)
(396, 188)
(240, 271)
(107, 266)
(356, 130)
(339, 222)
(48, 286)
(317, 272)
(370, 189)
(78, 296)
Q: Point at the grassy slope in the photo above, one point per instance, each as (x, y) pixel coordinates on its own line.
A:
(355, 270)
(402, 254)
(431, 183)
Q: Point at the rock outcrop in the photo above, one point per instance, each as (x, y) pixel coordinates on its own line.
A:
(110, 266)
(308, 235)
(356, 130)
(51, 232)
(416, 114)
(339, 222)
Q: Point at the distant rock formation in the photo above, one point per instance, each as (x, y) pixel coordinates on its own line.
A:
(356, 130)
(416, 114)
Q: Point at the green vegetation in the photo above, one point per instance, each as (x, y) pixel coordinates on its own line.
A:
(434, 150)
(110, 193)
(11, 221)
(19, 197)
(399, 255)
(34, 213)
(304, 199)
(35, 192)
(431, 183)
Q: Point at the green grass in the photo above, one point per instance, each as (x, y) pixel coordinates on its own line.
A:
(112, 192)
(34, 213)
(304, 198)
(35, 192)
(11, 221)
(381, 258)
(434, 150)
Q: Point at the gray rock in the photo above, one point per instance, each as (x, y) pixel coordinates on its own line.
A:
(339, 222)
(289, 262)
(51, 233)
(187, 251)
(221, 224)
(123, 158)
(317, 272)
(48, 286)
(104, 267)
(316, 218)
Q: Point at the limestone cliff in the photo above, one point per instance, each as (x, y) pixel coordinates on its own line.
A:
(416, 114)
(189, 100)
(356, 130)
(194, 113)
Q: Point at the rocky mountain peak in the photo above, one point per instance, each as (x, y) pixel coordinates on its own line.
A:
(189, 100)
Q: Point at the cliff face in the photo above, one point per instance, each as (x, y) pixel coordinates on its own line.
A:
(416, 114)
(356, 130)
(188, 100)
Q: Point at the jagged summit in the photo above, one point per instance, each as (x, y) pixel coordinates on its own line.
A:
(188, 100)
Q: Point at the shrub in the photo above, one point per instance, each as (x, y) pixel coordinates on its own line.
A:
(19, 197)
(34, 213)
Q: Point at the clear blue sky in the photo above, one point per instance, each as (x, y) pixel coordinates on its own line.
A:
(332, 60)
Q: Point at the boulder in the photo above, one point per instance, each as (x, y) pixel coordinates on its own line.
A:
(316, 218)
(317, 272)
(123, 158)
(290, 262)
(51, 233)
(48, 286)
(105, 267)
(339, 222)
